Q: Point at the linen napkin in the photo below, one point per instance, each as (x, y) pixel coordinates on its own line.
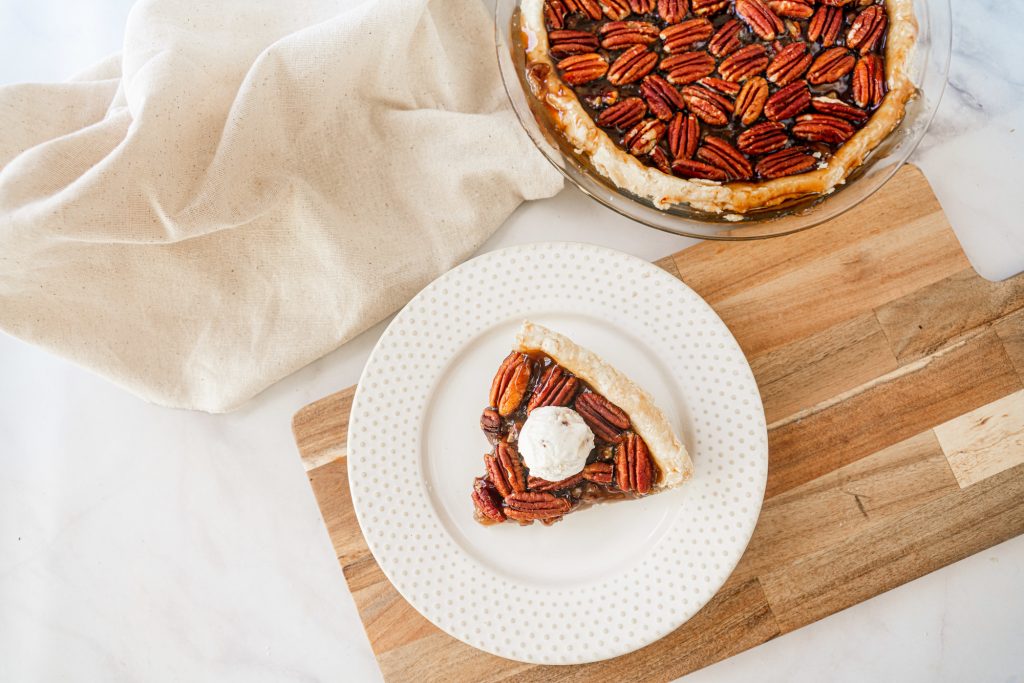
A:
(251, 184)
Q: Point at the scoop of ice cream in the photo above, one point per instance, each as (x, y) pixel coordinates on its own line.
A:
(555, 442)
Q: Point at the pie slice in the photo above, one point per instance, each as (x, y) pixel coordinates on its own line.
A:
(568, 430)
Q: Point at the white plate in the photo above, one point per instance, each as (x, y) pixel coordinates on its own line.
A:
(603, 581)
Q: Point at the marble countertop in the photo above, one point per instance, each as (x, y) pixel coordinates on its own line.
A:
(141, 543)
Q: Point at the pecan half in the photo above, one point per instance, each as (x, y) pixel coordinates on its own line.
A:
(556, 387)
(554, 13)
(721, 154)
(604, 418)
(616, 10)
(867, 29)
(786, 162)
(487, 506)
(632, 65)
(662, 98)
(680, 37)
(691, 168)
(830, 105)
(825, 25)
(566, 43)
(531, 505)
(725, 87)
(496, 475)
(687, 67)
(640, 140)
(788, 101)
(618, 35)
(683, 135)
(599, 472)
(580, 69)
(797, 9)
(642, 6)
(672, 11)
(490, 423)
(538, 484)
(703, 8)
(633, 468)
(744, 63)
(823, 128)
(726, 39)
(511, 466)
(509, 384)
(830, 65)
(709, 106)
(842, 3)
(661, 161)
(765, 137)
(760, 18)
(789, 64)
(750, 100)
(591, 8)
(868, 81)
(623, 115)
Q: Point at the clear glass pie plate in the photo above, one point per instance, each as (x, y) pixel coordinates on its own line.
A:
(928, 68)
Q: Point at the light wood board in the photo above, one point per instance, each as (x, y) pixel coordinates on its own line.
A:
(893, 382)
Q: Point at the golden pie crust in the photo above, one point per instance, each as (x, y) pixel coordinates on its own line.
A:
(664, 190)
(666, 449)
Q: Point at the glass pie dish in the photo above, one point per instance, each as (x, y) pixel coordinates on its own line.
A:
(927, 70)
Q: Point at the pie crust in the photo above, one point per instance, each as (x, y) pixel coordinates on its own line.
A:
(664, 190)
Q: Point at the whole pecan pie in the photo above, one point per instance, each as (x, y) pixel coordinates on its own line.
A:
(568, 430)
(724, 105)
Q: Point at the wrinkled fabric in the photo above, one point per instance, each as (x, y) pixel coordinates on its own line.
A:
(250, 184)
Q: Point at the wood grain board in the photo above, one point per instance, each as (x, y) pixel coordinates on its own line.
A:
(893, 383)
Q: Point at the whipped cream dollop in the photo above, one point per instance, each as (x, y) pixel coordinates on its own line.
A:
(555, 443)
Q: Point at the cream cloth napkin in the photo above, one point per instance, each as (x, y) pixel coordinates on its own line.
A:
(251, 184)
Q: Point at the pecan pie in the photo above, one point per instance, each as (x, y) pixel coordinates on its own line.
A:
(724, 105)
(568, 430)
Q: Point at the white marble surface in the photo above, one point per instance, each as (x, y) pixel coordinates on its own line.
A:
(139, 543)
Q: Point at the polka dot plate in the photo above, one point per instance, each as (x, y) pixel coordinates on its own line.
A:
(605, 580)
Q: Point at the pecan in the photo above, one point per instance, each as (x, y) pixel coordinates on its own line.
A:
(824, 27)
(703, 8)
(554, 12)
(726, 39)
(868, 81)
(580, 69)
(760, 18)
(750, 100)
(604, 418)
(538, 484)
(632, 65)
(691, 168)
(797, 9)
(725, 87)
(496, 475)
(599, 472)
(660, 160)
(682, 36)
(672, 11)
(721, 154)
(786, 162)
(511, 466)
(839, 3)
(788, 101)
(633, 468)
(531, 505)
(687, 67)
(662, 98)
(830, 105)
(591, 8)
(490, 423)
(789, 64)
(683, 135)
(616, 10)
(830, 65)
(744, 63)
(565, 43)
(642, 6)
(709, 106)
(487, 507)
(823, 128)
(509, 383)
(617, 35)
(867, 29)
(765, 137)
(640, 140)
(623, 115)
(556, 387)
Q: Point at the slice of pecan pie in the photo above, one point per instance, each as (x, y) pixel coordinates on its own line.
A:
(568, 430)
(724, 105)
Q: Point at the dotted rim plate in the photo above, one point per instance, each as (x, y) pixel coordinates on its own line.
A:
(692, 537)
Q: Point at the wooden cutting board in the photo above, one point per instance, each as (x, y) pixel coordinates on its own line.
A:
(891, 375)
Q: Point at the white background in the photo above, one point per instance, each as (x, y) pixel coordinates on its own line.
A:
(141, 543)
